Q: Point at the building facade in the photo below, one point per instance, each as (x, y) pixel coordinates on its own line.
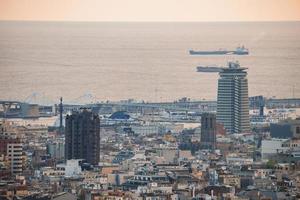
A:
(269, 148)
(82, 136)
(208, 130)
(11, 149)
(15, 157)
(286, 129)
(56, 149)
(233, 102)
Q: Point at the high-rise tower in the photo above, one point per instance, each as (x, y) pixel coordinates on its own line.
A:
(82, 136)
(208, 130)
(233, 102)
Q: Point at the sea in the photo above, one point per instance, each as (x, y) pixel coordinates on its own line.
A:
(89, 62)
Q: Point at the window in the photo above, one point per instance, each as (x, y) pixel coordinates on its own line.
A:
(298, 129)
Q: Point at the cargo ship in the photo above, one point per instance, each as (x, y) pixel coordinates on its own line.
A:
(241, 50)
(231, 65)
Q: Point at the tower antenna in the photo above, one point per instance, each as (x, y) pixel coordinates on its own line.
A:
(61, 116)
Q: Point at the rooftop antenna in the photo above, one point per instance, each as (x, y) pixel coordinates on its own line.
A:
(61, 116)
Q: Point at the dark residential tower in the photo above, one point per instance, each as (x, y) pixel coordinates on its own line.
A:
(208, 131)
(82, 134)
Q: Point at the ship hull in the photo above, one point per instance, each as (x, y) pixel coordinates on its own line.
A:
(209, 69)
(217, 53)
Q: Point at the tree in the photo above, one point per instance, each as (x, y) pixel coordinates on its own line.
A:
(271, 164)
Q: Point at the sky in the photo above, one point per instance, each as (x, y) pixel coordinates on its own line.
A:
(150, 10)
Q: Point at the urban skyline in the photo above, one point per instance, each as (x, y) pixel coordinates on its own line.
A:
(140, 110)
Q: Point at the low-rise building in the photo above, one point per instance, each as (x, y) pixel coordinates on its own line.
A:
(271, 147)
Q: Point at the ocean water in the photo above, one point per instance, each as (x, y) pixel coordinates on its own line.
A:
(99, 61)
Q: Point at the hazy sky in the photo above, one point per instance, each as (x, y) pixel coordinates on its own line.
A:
(150, 10)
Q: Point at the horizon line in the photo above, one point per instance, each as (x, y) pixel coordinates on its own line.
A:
(149, 21)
